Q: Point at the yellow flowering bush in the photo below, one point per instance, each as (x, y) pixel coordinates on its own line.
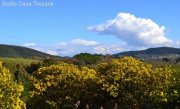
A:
(60, 86)
(10, 91)
(125, 83)
(135, 84)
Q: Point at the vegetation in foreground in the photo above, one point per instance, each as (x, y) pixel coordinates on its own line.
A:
(10, 91)
(120, 83)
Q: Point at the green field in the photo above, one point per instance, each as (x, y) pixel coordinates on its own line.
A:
(18, 60)
(11, 63)
(177, 68)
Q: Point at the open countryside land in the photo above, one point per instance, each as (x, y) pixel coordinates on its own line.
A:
(89, 54)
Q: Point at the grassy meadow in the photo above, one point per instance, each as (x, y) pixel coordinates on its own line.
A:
(18, 60)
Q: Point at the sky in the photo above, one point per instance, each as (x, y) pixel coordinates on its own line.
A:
(66, 27)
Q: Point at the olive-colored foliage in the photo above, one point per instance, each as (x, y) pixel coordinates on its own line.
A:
(10, 91)
(176, 89)
(61, 86)
(21, 76)
(19, 71)
(48, 62)
(33, 67)
(89, 58)
(134, 84)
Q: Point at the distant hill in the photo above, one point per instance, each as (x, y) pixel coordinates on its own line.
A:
(22, 52)
(160, 51)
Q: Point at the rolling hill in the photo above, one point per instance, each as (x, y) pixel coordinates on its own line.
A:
(160, 51)
(22, 52)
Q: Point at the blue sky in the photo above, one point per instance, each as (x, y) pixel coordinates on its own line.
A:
(70, 27)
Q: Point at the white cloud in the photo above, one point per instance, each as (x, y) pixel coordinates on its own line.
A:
(79, 42)
(133, 30)
(68, 48)
(29, 44)
(71, 48)
(77, 46)
(83, 42)
(107, 49)
(34, 46)
(52, 52)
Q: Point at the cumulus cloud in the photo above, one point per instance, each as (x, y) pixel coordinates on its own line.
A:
(133, 30)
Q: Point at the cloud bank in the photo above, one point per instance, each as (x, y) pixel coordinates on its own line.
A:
(134, 33)
(133, 30)
(77, 46)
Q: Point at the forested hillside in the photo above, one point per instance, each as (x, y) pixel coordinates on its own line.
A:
(22, 52)
(152, 51)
